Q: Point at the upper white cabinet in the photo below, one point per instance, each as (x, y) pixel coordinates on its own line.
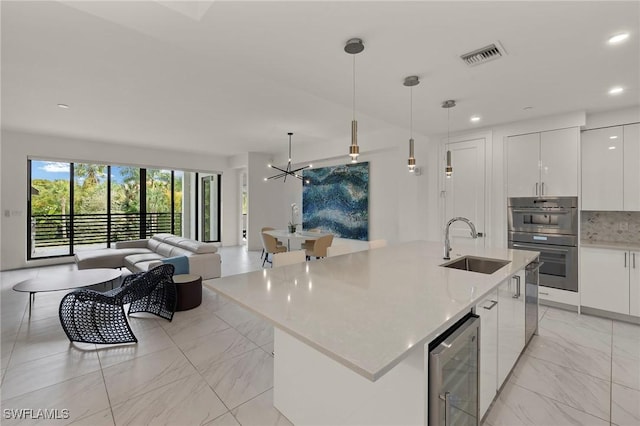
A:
(544, 163)
(631, 167)
(610, 171)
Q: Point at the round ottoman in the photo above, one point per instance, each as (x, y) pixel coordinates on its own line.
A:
(188, 291)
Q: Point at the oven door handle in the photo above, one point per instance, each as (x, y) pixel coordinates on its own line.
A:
(540, 211)
(538, 248)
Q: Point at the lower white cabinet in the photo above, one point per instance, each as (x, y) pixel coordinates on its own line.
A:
(511, 333)
(634, 284)
(487, 310)
(610, 280)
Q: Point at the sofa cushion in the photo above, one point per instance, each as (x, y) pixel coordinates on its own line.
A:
(198, 247)
(133, 259)
(105, 258)
(180, 264)
(162, 237)
(164, 249)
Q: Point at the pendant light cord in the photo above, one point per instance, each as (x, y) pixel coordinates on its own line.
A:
(354, 87)
(289, 148)
(448, 124)
(411, 114)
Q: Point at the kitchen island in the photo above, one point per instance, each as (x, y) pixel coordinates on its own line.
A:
(351, 331)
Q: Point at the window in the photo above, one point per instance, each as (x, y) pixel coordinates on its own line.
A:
(82, 206)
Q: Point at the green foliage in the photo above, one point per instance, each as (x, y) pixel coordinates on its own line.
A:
(53, 197)
(90, 192)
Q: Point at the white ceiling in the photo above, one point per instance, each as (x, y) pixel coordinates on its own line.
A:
(231, 77)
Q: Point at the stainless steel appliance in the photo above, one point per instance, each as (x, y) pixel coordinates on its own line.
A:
(531, 276)
(548, 225)
(454, 359)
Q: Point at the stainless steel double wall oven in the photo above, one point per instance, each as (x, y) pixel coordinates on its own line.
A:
(548, 225)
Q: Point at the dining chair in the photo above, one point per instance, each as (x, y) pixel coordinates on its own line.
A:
(270, 246)
(338, 250)
(268, 228)
(374, 244)
(308, 244)
(288, 258)
(320, 247)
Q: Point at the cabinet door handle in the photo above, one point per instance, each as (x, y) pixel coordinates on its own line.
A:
(634, 261)
(491, 306)
(544, 293)
(517, 294)
(542, 191)
(447, 408)
(536, 188)
(625, 259)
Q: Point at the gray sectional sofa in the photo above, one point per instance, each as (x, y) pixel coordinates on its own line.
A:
(142, 255)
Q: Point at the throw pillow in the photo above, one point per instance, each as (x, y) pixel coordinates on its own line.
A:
(180, 263)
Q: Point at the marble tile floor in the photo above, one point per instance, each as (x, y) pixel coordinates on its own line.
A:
(213, 365)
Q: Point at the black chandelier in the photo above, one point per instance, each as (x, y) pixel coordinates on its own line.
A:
(288, 171)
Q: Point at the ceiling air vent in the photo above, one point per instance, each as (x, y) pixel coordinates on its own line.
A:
(484, 54)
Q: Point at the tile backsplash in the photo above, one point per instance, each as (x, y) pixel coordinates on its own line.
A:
(610, 227)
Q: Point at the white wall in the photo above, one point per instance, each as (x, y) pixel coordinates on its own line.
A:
(613, 118)
(268, 202)
(397, 209)
(17, 147)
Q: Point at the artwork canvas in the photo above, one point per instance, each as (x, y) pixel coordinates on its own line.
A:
(336, 199)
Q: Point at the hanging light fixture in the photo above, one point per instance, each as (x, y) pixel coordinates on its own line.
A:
(288, 171)
(410, 82)
(448, 105)
(353, 47)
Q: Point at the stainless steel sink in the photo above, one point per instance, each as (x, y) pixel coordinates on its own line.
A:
(483, 265)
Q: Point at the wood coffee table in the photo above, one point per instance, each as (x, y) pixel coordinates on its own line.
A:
(66, 281)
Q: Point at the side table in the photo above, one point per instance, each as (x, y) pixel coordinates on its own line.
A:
(188, 291)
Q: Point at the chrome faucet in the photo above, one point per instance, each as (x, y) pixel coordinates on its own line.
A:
(447, 243)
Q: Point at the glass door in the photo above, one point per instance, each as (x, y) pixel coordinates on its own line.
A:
(210, 208)
(453, 376)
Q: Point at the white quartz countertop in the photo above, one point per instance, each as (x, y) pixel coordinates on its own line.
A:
(368, 309)
(611, 245)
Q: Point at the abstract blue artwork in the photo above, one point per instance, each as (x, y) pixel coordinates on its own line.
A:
(336, 199)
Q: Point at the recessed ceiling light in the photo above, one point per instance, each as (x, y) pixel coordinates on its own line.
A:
(618, 38)
(475, 119)
(616, 90)
(613, 137)
(612, 147)
(63, 106)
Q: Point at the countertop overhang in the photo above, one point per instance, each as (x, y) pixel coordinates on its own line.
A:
(367, 310)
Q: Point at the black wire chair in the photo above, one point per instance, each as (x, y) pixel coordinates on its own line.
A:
(90, 316)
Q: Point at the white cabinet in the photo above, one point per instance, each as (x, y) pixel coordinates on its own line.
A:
(488, 311)
(631, 167)
(610, 280)
(523, 165)
(610, 172)
(511, 322)
(634, 284)
(544, 163)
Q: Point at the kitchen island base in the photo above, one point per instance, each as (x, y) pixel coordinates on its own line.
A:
(312, 389)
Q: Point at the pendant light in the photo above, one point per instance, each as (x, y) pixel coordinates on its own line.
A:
(353, 47)
(288, 171)
(448, 105)
(410, 82)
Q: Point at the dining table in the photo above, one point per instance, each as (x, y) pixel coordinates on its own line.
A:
(284, 234)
